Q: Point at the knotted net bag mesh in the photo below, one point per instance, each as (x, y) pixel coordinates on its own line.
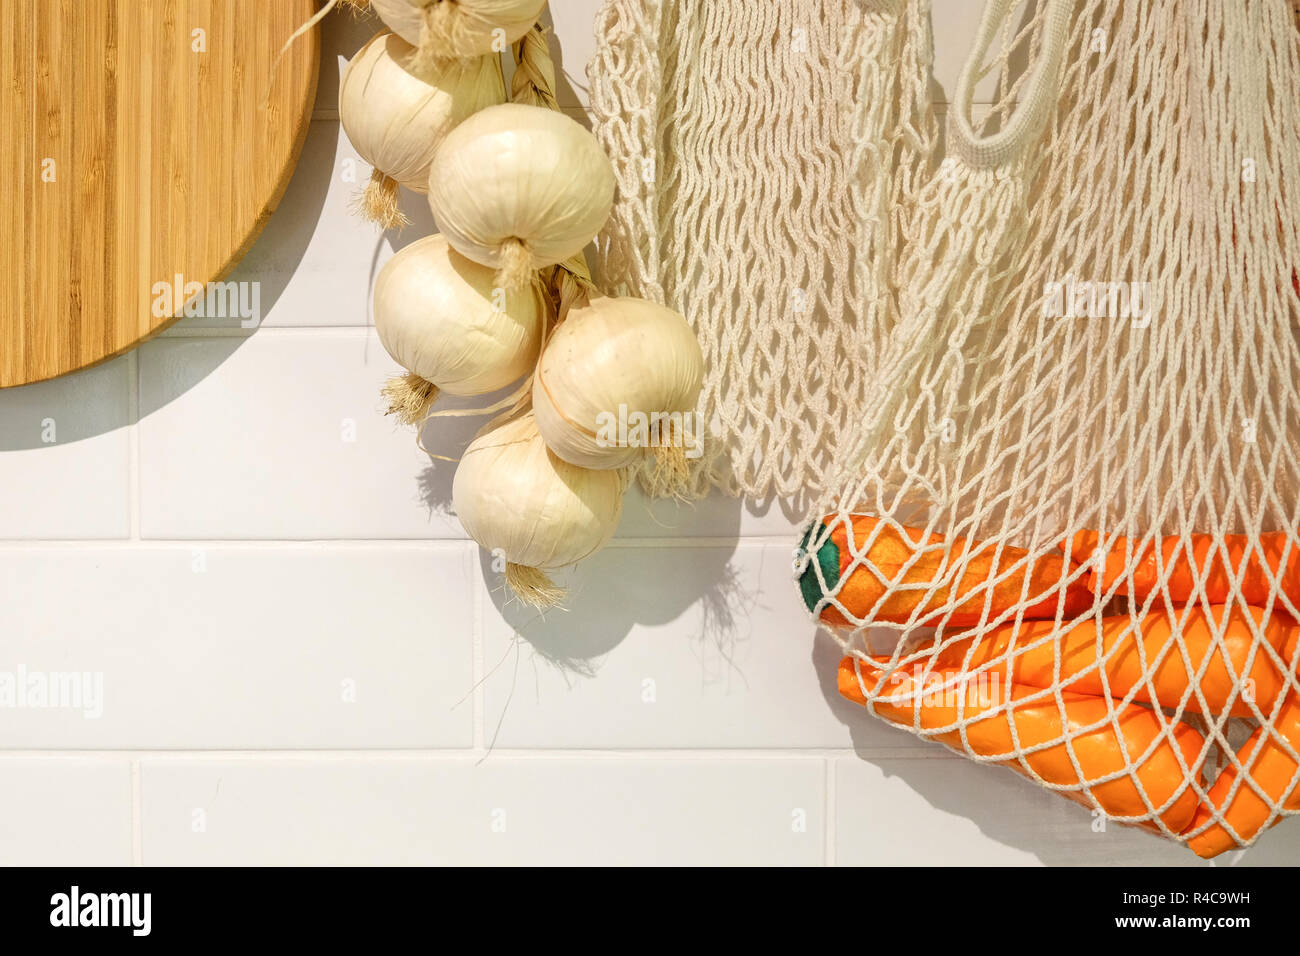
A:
(1065, 540)
(1047, 391)
(763, 151)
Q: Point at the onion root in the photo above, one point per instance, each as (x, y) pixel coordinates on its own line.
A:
(670, 473)
(378, 202)
(533, 587)
(410, 397)
(439, 37)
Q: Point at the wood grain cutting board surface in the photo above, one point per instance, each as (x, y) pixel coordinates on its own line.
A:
(138, 143)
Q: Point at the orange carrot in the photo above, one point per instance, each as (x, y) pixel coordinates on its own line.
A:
(1273, 771)
(1171, 559)
(1037, 723)
(1120, 645)
(878, 586)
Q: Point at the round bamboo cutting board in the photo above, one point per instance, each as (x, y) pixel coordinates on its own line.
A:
(142, 144)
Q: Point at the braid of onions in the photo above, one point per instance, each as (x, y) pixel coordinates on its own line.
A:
(518, 190)
(613, 359)
(492, 190)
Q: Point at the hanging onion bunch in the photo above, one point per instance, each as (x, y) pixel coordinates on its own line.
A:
(443, 29)
(520, 188)
(518, 191)
(517, 498)
(443, 318)
(619, 377)
(396, 116)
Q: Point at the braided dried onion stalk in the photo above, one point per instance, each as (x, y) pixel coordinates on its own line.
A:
(518, 190)
(458, 29)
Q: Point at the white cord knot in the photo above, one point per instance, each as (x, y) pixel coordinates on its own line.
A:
(800, 563)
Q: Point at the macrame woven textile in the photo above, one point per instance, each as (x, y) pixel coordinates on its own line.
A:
(1077, 472)
(764, 152)
(1042, 388)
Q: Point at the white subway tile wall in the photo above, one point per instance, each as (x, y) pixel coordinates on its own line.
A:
(285, 650)
(65, 811)
(430, 810)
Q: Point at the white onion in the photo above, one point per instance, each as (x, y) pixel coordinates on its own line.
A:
(441, 317)
(520, 188)
(616, 359)
(518, 500)
(397, 119)
(459, 28)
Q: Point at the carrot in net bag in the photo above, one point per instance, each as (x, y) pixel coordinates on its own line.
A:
(1132, 748)
(870, 567)
(1053, 367)
(1276, 558)
(1269, 759)
(1144, 655)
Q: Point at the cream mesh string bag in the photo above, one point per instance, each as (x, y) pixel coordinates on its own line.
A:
(1064, 539)
(764, 154)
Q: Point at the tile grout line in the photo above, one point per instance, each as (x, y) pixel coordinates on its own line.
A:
(632, 754)
(362, 544)
(431, 545)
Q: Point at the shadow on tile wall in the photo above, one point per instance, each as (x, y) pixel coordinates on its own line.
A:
(95, 401)
(1007, 808)
(609, 596)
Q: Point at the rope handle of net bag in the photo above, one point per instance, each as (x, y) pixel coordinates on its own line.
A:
(1036, 98)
